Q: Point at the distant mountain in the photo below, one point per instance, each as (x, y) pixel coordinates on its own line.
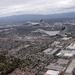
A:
(35, 17)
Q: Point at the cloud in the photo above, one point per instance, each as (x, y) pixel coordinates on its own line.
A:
(15, 7)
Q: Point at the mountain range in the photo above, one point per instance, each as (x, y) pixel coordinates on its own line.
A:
(36, 17)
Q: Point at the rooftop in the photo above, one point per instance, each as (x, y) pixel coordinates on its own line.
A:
(66, 38)
(71, 67)
(65, 53)
(58, 65)
(71, 46)
(51, 72)
(50, 51)
(57, 44)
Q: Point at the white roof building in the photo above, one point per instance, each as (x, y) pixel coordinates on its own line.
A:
(47, 50)
(57, 44)
(66, 38)
(65, 53)
(50, 51)
(52, 72)
(71, 46)
(70, 68)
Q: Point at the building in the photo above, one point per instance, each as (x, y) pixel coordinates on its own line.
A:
(56, 44)
(65, 53)
(51, 51)
(58, 65)
(66, 38)
(71, 46)
(52, 72)
(70, 69)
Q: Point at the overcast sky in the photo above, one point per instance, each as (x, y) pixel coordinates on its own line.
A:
(15, 7)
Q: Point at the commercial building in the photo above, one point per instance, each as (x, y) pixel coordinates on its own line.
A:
(65, 53)
(70, 70)
(52, 72)
(66, 38)
(56, 44)
(71, 46)
(51, 51)
(58, 65)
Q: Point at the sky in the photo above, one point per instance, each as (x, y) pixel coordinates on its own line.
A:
(17, 7)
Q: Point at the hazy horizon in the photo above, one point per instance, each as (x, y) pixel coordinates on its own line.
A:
(43, 7)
